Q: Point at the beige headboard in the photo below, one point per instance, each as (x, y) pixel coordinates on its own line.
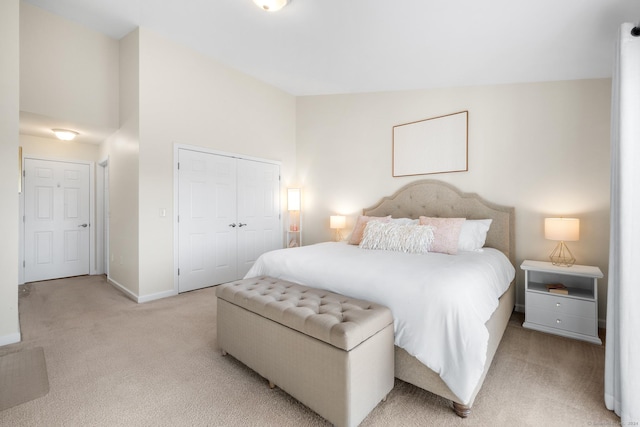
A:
(434, 198)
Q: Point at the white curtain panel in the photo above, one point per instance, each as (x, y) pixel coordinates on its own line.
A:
(622, 363)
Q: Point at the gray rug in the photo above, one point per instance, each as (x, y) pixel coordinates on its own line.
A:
(23, 376)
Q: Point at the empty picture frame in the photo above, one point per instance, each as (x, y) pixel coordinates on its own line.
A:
(435, 145)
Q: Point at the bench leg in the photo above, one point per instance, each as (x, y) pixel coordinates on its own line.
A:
(461, 410)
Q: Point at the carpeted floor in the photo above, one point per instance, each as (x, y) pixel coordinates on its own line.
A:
(112, 362)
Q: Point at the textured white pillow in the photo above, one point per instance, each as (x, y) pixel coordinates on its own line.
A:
(404, 221)
(412, 238)
(473, 234)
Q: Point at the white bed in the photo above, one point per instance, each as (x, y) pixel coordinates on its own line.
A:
(449, 310)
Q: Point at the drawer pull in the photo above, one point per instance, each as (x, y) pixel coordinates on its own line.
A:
(558, 321)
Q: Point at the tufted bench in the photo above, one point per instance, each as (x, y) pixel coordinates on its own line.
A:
(332, 353)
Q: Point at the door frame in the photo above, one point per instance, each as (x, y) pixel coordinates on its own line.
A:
(92, 215)
(176, 232)
(102, 218)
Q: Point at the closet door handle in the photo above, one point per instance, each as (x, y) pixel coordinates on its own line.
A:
(232, 225)
(241, 225)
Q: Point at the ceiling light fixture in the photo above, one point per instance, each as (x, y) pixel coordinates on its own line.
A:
(65, 134)
(271, 5)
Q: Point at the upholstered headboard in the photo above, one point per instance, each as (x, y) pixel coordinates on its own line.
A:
(434, 198)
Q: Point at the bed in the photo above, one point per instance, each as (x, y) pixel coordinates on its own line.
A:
(428, 353)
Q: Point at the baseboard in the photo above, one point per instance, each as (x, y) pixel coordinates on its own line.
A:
(519, 308)
(144, 298)
(10, 339)
(126, 291)
(158, 295)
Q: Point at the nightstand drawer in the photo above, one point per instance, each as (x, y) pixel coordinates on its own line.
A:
(563, 321)
(561, 305)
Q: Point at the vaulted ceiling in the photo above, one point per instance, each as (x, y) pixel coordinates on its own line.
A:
(344, 46)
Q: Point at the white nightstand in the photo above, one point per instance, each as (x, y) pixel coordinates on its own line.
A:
(574, 315)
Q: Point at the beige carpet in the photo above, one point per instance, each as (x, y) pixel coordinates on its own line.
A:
(112, 362)
(23, 377)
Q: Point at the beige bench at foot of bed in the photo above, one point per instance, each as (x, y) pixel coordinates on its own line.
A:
(332, 353)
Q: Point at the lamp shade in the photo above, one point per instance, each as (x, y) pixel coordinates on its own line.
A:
(562, 229)
(293, 199)
(337, 221)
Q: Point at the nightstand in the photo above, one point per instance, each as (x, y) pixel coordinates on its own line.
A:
(574, 315)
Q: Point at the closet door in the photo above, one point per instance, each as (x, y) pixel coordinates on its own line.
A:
(228, 215)
(258, 211)
(207, 220)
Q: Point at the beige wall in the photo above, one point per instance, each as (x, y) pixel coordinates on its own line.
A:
(50, 148)
(9, 125)
(122, 151)
(188, 98)
(542, 148)
(67, 72)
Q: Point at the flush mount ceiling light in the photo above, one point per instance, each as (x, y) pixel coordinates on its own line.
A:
(271, 5)
(65, 134)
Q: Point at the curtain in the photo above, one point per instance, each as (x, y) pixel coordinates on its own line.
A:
(622, 360)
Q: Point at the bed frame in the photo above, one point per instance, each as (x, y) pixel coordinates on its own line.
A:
(439, 199)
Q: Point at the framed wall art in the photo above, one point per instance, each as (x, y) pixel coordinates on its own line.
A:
(435, 145)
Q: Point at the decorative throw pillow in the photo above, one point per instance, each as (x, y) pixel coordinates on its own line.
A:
(446, 232)
(473, 234)
(358, 229)
(410, 238)
(405, 221)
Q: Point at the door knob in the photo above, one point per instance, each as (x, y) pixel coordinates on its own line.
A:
(83, 225)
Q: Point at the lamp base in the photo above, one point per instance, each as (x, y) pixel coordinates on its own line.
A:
(562, 256)
(338, 235)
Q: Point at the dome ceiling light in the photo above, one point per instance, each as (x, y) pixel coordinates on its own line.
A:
(271, 5)
(65, 134)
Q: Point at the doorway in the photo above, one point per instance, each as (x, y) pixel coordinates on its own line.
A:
(58, 210)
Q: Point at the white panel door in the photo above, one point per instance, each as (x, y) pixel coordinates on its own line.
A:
(56, 219)
(207, 220)
(258, 212)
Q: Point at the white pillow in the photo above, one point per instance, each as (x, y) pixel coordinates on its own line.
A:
(404, 221)
(473, 234)
(410, 238)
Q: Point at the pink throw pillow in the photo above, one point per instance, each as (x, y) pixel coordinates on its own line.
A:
(446, 233)
(361, 223)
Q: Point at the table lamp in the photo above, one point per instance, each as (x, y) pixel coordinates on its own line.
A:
(562, 230)
(337, 222)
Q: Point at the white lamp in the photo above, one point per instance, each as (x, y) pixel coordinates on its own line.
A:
(293, 199)
(337, 222)
(271, 5)
(293, 206)
(65, 134)
(562, 230)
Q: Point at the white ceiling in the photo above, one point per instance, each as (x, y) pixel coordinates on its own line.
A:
(343, 46)
(314, 47)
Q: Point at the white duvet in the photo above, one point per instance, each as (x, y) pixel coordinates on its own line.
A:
(440, 302)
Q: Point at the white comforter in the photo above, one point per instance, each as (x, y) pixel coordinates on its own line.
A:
(440, 302)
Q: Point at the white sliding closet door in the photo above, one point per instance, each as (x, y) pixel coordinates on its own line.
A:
(228, 215)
